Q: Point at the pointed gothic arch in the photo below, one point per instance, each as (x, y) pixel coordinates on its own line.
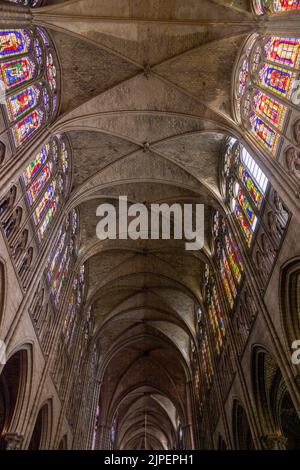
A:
(30, 78)
(63, 444)
(2, 290)
(14, 392)
(42, 431)
(242, 434)
(46, 183)
(249, 222)
(277, 413)
(290, 304)
(261, 216)
(265, 101)
(221, 443)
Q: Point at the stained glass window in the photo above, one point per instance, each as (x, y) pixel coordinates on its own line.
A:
(45, 182)
(64, 156)
(252, 188)
(245, 206)
(206, 360)
(17, 71)
(227, 279)
(275, 6)
(74, 221)
(71, 312)
(88, 324)
(214, 312)
(246, 185)
(45, 202)
(30, 84)
(263, 106)
(285, 51)
(269, 108)
(59, 272)
(229, 260)
(49, 216)
(242, 221)
(36, 164)
(233, 257)
(276, 79)
(62, 274)
(59, 279)
(286, 5)
(243, 77)
(256, 173)
(51, 72)
(59, 247)
(23, 101)
(267, 136)
(71, 322)
(14, 42)
(39, 182)
(60, 260)
(27, 3)
(27, 126)
(216, 319)
(43, 36)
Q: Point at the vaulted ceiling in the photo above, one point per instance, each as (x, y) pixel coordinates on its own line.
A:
(146, 103)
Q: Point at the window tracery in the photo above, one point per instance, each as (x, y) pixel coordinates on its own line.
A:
(245, 187)
(265, 89)
(28, 3)
(72, 319)
(29, 81)
(215, 318)
(262, 7)
(228, 259)
(45, 182)
(61, 258)
(261, 215)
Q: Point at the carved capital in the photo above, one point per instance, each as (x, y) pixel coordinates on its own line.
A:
(13, 441)
(274, 442)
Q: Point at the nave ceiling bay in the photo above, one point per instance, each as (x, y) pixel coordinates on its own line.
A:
(146, 105)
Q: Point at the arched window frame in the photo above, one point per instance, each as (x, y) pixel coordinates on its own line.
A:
(28, 3)
(206, 360)
(258, 202)
(74, 310)
(215, 316)
(262, 7)
(62, 257)
(2, 289)
(290, 301)
(263, 90)
(46, 183)
(245, 188)
(40, 90)
(229, 261)
(89, 324)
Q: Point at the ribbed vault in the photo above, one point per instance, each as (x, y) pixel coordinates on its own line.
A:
(146, 90)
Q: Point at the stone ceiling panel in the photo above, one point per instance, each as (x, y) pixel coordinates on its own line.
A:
(94, 151)
(206, 72)
(193, 10)
(84, 73)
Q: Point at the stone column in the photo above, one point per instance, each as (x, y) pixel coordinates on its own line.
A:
(14, 15)
(103, 438)
(281, 25)
(188, 428)
(13, 441)
(274, 442)
(187, 437)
